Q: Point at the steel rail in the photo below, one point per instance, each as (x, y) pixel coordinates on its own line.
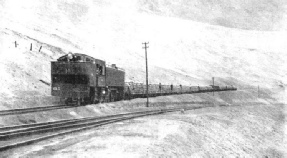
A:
(9, 128)
(52, 126)
(34, 109)
(66, 129)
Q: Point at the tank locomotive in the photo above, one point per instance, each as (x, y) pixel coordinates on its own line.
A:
(84, 79)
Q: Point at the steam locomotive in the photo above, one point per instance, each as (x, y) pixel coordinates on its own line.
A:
(83, 79)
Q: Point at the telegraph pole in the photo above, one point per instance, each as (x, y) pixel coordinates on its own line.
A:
(16, 44)
(145, 47)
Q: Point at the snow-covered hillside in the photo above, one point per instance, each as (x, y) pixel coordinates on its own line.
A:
(251, 14)
(180, 50)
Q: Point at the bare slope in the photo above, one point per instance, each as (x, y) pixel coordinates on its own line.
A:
(180, 51)
(251, 14)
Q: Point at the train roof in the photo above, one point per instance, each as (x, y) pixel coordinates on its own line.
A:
(81, 58)
(78, 57)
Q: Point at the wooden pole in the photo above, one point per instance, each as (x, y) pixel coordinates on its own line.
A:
(40, 48)
(145, 47)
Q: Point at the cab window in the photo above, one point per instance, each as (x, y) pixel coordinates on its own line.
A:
(100, 69)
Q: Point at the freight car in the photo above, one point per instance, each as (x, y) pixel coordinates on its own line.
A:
(84, 79)
(138, 90)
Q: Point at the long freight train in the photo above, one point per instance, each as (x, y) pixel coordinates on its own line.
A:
(84, 79)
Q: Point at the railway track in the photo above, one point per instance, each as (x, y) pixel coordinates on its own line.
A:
(34, 109)
(15, 136)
